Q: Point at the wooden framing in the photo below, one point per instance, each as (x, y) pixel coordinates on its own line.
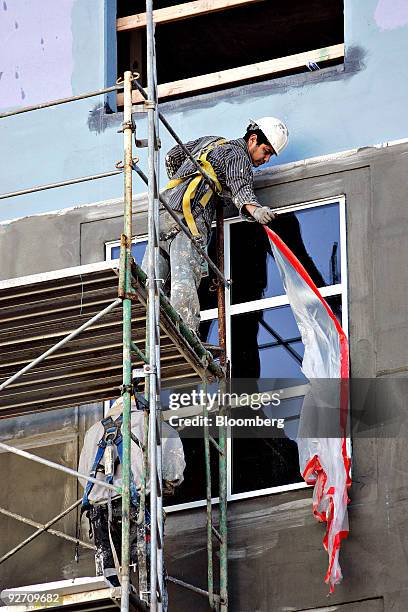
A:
(243, 73)
(178, 12)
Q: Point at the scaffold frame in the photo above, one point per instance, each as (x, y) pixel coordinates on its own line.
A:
(156, 304)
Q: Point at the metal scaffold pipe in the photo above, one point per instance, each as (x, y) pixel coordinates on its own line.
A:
(168, 127)
(193, 588)
(39, 531)
(159, 447)
(155, 602)
(57, 466)
(42, 528)
(222, 432)
(59, 344)
(82, 179)
(210, 565)
(89, 94)
(124, 291)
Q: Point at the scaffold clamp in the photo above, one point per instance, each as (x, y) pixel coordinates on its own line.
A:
(138, 373)
(120, 165)
(145, 371)
(126, 125)
(141, 143)
(126, 389)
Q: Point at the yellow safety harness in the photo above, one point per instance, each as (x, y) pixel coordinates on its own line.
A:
(192, 187)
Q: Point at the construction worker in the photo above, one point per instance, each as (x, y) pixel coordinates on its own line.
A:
(101, 458)
(229, 163)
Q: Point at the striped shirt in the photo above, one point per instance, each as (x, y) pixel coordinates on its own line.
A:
(232, 165)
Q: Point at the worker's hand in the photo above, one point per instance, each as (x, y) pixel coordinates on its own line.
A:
(263, 214)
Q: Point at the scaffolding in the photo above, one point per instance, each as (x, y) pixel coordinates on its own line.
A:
(171, 352)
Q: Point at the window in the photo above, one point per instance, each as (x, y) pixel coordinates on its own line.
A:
(211, 44)
(263, 342)
(112, 249)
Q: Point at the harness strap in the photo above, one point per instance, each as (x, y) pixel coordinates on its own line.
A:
(90, 485)
(112, 435)
(193, 185)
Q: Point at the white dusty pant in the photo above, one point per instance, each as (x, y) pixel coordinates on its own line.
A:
(180, 266)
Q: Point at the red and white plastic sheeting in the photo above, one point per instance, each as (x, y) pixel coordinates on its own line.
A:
(324, 461)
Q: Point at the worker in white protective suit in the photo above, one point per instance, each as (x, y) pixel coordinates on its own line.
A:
(101, 458)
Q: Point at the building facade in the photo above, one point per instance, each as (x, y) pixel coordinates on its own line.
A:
(340, 190)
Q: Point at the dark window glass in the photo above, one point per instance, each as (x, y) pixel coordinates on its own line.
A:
(262, 462)
(138, 251)
(266, 344)
(194, 485)
(125, 7)
(335, 304)
(193, 488)
(209, 331)
(312, 234)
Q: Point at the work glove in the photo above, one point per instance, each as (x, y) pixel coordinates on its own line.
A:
(263, 214)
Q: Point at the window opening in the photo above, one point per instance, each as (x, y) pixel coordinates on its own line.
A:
(234, 38)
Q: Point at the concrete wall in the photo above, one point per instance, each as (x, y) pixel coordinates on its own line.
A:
(328, 111)
(39, 493)
(276, 558)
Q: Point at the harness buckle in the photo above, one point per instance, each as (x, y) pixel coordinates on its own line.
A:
(111, 430)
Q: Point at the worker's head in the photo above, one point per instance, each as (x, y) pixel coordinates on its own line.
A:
(265, 137)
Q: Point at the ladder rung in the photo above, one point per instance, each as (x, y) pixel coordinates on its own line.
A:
(217, 534)
(217, 446)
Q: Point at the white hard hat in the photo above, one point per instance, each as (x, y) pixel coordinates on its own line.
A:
(275, 131)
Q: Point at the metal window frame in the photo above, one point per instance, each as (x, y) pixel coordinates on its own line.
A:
(339, 289)
(275, 301)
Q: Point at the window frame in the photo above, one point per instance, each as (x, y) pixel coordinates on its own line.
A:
(111, 244)
(340, 289)
(229, 77)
